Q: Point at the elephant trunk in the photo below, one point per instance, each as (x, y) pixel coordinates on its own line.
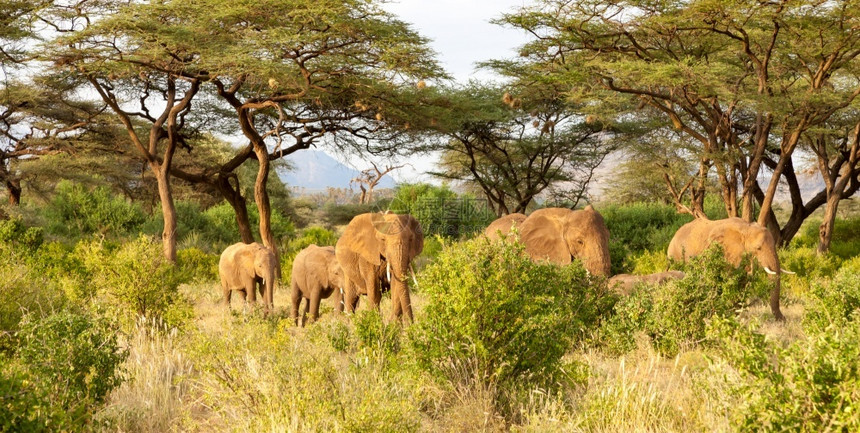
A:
(400, 299)
(269, 290)
(769, 260)
(597, 261)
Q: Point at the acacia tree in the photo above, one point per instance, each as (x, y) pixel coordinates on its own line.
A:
(513, 148)
(36, 120)
(744, 79)
(369, 178)
(295, 72)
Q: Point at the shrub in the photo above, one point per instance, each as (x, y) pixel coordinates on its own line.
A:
(496, 315)
(441, 211)
(74, 362)
(845, 242)
(813, 386)
(14, 232)
(135, 280)
(76, 210)
(809, 266)
(375, 335)
(833, 302)
(638, 228)
(673, 315)
(197, 265)
(24, 288)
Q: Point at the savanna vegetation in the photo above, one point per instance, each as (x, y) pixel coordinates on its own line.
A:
(139, 139)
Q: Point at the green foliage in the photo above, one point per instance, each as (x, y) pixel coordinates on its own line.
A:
(341, 214)
(845, 242)
(135, 280)
(197, 265)
(76, 210)
(499, 316)
(441, 211)
(673, 315)
(13, 231)
(809, 266)
(833, 302)
(215, 228)
(637, 228)
(374, 334)
(814, 386)
(71, 362)
(28, 283)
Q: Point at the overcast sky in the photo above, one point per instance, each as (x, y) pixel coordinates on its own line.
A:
(461, 34)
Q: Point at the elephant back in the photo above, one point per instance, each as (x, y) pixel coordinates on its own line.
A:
(503, 225)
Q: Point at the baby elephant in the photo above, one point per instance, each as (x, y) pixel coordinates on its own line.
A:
(623, 284)
(316, 275)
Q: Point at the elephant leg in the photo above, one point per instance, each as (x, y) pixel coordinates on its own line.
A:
(228, 293)
(251, 289)
(406, 305)
(305, 311)
(295, 299)
(315, 306)
(374, 294)
(396, 305)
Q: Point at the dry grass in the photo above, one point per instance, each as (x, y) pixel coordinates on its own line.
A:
(240, 372)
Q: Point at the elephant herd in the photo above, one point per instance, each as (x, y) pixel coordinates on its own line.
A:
(374, 253)
(376, 250)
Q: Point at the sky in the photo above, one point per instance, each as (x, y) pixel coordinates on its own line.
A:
(461, 34)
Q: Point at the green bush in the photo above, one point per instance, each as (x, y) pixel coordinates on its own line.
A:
(14, 232)
(811, 385)
(25, 288)
(833, 302)
(442, 211)
(215, 228)
(374, 334)
(845, 242)
(673, 315)
(73, 362)
(498, 316)
(809, 266)
(76, 210)
(197, 265)
(636, 228)
(135, 280)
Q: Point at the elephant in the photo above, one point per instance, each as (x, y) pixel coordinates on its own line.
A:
(737, 238)
(243, 266)
(316, 275)
(503, 225)
(561, 235)
(623, 284)
(370, 241)
(384, 287)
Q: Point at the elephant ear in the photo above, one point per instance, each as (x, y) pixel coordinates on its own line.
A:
(542, 235)
(361, 237)
(731, 239)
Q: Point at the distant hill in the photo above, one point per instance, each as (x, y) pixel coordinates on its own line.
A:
(314, 170)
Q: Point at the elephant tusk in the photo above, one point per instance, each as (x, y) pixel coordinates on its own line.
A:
(341, 297)
(787, 272)
(388, 271)
(767, 269)
(412, 270)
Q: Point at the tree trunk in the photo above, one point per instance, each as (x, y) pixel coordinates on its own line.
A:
(14, 188)
(261, 196)
(239, 205)
(168, 235)
(825, 230)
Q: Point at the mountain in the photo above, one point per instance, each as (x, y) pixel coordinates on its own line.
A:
(314, 170)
